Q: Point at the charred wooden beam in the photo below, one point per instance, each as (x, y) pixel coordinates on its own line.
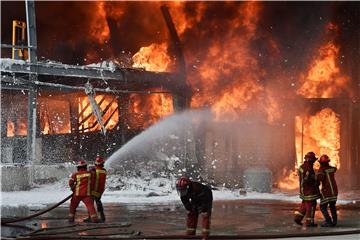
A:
(117, 78)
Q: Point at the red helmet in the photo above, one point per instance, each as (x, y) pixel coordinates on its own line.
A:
(99, 160)
(183, 185)
(310, 156)
(324, 159)
(81, 163)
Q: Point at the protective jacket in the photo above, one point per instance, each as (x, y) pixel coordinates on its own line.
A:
(198, 198)
(329, 190)
(98, 181)
(80, 182)
(309, 188)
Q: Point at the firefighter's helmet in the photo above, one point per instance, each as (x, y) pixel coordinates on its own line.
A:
(324, 159)
(310, 156)
(183, 185)
(81, 163)
(99, 160)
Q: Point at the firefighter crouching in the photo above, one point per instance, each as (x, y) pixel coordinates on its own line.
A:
(309, 191)
(329, 191)
(80, 184)
(98, 185)
(197, 199)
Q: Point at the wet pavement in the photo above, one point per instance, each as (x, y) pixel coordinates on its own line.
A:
(233, 217)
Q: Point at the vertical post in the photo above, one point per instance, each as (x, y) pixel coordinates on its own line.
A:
(181, 99)
(32, 130)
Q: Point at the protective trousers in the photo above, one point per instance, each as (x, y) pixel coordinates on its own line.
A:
(307, 210)
(192, 219)
(89, 203)
(323, 208)
(100, 208)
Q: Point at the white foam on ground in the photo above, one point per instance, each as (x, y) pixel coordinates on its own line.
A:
(135, 190)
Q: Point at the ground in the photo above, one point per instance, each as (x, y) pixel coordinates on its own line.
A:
(230, 217)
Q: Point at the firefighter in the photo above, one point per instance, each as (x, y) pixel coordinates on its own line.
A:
(329, 191)
(98, 183)
(309, 191)
(197, 199)
(80, 184)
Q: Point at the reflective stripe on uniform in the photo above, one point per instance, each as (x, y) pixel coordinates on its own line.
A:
(328, 199)
(98, 172)
(205, 230)
(309, 197)
(78, 180)
(190, 229)
(299, 213)
(331, 186)
(302, 181)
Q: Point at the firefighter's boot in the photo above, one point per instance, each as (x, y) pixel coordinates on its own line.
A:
(328, 222)
(71, 218)
(87, 220)
(102, 217)
(310, 223)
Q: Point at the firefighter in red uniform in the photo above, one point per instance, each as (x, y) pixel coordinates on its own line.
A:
(329, 191)
(197, 199)
(80, 184)
(98, 183)
(309, 191)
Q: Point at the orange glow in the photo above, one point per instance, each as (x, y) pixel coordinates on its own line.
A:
(324, 78)
(228, 77)
(148, 109)
(320, 134)
(290, 181)
(152, 58)
(10, 129)
(87, 118)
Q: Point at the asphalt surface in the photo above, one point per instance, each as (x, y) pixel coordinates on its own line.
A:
(235, 217)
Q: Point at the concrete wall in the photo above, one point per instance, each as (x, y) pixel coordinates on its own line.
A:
(23, 177)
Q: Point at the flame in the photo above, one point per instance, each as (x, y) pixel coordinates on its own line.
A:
(324, 78)
(228, 77)
(10, 129)
(88, 119)
(152, 58)
(148, 109)
(319, 133)
(289, 182)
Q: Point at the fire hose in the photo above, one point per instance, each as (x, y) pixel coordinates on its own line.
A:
(38, 213)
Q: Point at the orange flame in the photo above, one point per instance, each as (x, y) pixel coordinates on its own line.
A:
(110, 117)
(152, 58)
(324, 78)
(319, 133)
(148, 109)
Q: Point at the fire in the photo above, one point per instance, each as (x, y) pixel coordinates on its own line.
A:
(152, 58)
(324, 78)
(109, 107)
(319, 133)
(10, 129)
(228, 77)
(148, 109)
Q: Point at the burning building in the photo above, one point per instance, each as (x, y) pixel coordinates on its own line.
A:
(276, 88)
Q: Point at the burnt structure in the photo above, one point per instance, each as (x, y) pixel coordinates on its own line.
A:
(65, 83)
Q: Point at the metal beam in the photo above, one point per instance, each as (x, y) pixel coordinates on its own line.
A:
(32, 121)
(169, 81)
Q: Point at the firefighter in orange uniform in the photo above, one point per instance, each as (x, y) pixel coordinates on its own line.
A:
(98, 183)
(80, 184)
(309, 191)
(197, 199)
(329, 191)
